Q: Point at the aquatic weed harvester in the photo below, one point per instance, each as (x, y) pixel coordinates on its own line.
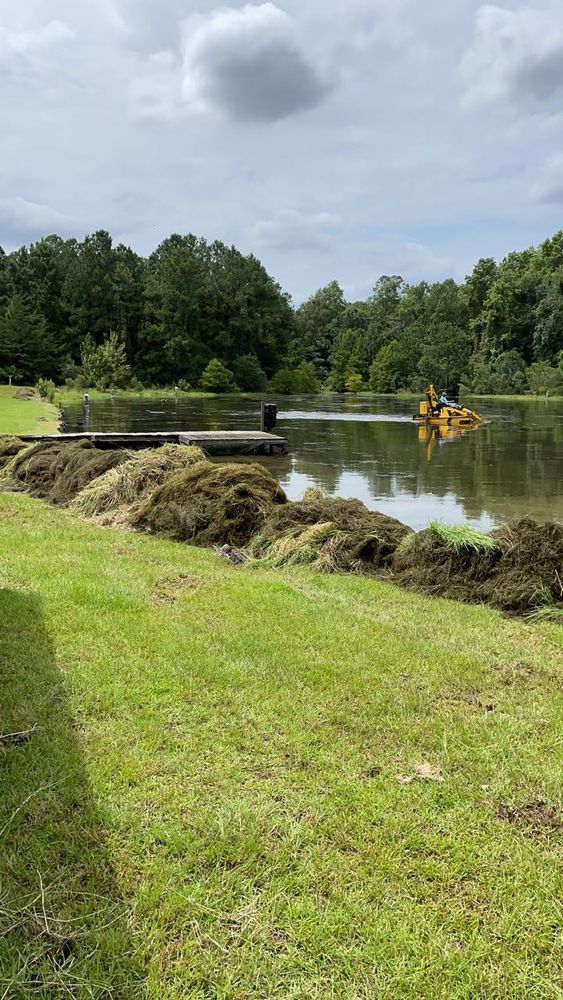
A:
(437, 411)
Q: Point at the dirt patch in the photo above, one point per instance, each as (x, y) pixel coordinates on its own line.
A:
(333, 534)
(169, 588)
(211, 504)
(58, 470)
(534, 817)
(464, 699)
(9, 447)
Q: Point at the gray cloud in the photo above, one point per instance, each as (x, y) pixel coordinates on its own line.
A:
(247, 64)
(549, 186)
(124, 115)
(292, 230)
(517, 54)
(24, 221)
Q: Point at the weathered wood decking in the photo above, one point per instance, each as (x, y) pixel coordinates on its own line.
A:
(222, 442)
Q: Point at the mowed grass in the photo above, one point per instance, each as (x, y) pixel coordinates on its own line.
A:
(211, 794)
(26, 416)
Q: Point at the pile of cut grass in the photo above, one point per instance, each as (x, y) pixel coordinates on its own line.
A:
(10, 445)
(530, 574)
(517, 568)
(56, 470)
(210, 504)
(127, 485)
(334, 534)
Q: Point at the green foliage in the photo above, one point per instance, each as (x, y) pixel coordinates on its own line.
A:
(544, 378)
(283, 381)
(320, 320)
(385, 371)
(248, 374)
(104, 365)
(24, 345)
(305, 378)
(354, 382)
(216, 378)
(347, 357)
(46, 389)
(192, 301)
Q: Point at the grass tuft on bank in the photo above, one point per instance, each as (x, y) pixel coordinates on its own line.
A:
(232, 782)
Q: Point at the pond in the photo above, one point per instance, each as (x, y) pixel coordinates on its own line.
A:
(368, 447)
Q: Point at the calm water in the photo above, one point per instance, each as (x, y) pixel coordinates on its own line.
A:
(370, 448)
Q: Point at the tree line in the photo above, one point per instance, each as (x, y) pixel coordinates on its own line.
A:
(203, 315)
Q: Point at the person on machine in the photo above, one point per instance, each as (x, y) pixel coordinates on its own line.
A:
(444, 401)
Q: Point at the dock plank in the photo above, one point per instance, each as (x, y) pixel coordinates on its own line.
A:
(222, 441)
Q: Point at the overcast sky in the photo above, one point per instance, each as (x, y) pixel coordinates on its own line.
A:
(333, 138)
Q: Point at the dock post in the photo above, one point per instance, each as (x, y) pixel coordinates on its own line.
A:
(268, 416)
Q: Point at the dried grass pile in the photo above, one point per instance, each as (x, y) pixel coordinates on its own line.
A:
(333, 534)
(447, 560)
(530, 572)
(120, 490)
(9, 447)
(211, 504)
(517, 568)
(57, 471)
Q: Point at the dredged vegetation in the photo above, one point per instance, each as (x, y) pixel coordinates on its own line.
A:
(179, 494)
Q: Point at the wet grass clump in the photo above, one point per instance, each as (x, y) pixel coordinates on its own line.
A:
(57, 471)
(530, 574)
(9, 447)
(210, 504)
(331, 533)
(446, 562)
(134, 480)
(517, 568)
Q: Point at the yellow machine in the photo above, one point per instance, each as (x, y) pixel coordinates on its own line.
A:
(434, 413)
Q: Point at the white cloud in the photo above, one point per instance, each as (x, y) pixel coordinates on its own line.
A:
(31, 45)
(517, 54)
(248, 64)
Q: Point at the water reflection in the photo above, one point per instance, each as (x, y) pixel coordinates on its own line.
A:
(370, 448)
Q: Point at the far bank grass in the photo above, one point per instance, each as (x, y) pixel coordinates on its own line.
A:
(66, 396)
(228, 780)
(26, 416)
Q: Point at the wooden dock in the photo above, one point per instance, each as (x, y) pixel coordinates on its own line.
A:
(220, 442)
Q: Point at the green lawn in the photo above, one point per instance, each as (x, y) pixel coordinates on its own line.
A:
(25, 416)
(210, 795)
